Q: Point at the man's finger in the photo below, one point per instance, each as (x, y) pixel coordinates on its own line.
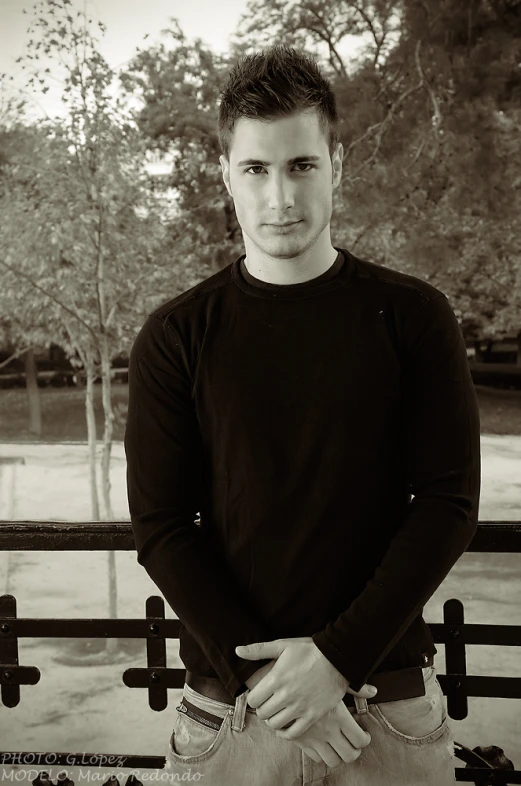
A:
(296, 729)
(311, 753)
(366, 691)
(260, 693)
(354, 732)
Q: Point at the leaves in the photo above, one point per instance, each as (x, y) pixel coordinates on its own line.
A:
(66, 192)
(429, 121)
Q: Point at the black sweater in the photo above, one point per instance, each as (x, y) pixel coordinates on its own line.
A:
(328, 435)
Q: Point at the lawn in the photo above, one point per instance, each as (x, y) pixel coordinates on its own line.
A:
(63, 413)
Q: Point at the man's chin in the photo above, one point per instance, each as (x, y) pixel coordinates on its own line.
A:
(283, 247)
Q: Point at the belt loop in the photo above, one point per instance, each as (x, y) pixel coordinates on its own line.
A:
(239, 713)
(361, 704)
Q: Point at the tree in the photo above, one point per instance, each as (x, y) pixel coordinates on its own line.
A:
(84, 250)
(178, 91)
(429, 123)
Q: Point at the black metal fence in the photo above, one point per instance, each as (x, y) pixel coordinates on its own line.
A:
(484, 765)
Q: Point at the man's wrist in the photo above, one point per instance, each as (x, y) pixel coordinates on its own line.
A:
(333, 662)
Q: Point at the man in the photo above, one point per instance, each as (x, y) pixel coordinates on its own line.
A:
(317, 410)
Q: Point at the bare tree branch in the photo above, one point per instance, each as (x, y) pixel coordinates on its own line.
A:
(15, 355)
(382, 125)
(48, 294)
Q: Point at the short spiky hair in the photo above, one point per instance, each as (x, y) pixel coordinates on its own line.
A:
(273, 83)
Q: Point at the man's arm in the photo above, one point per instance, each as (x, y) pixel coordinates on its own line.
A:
(441, 444)
(163, 451)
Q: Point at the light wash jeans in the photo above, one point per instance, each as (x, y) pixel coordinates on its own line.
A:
(411, 745)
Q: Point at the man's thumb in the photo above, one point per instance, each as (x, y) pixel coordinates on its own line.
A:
(367, 691)
(259, 650)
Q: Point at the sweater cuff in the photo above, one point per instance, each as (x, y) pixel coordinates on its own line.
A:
(339, 661)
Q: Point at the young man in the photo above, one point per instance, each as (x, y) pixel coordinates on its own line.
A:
(317, 410)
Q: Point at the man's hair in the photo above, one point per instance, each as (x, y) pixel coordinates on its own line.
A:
(276, 82)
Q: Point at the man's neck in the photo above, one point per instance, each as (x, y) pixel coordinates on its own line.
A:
(291, 271)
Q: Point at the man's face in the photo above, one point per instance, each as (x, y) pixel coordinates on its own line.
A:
(278, 191)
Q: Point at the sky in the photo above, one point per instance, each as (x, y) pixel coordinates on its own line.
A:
(127, 22)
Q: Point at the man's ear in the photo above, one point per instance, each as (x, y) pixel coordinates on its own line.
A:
(225, 166)
(336, 163)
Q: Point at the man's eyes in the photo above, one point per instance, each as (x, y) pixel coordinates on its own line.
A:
(258, 166)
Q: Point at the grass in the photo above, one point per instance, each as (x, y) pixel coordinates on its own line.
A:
(63, 413)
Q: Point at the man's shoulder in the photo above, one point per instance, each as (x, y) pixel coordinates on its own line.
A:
(182, 315)
(397, 284)
(195, 294)
(412, 308)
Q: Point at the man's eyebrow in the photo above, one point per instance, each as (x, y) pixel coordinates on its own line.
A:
(296, 160)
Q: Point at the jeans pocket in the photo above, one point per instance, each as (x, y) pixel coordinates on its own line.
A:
(194, 739)
(418, 720)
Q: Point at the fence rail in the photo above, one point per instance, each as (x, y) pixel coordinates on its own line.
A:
(484, 765)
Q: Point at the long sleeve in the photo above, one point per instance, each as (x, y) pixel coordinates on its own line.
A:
(163, 452)
(441, 453)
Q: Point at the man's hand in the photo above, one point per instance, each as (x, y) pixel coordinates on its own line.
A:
(256, 677)
(334, 739)
(302, 686)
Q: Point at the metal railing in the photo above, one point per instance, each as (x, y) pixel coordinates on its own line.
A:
(484, 765)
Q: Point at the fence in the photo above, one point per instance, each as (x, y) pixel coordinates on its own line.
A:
(483, 765)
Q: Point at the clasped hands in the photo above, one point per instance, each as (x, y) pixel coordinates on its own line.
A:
(299, 695)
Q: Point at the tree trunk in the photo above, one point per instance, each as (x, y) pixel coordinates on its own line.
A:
(33, 394)
(487, 354)
(108, 426)
(112, 644)
(479, 353)
(91, 433)
(518, 358)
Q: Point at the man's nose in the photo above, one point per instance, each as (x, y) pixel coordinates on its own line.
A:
(280, 194)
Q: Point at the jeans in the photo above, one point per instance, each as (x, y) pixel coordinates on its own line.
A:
(411, 745)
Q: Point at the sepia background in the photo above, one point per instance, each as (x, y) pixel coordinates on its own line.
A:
(112, 202)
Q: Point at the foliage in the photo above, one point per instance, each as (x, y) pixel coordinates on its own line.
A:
(430, 120)
(83, 245)
(179, 92)
(430, 128)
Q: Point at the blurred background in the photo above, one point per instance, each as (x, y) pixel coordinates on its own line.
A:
(112, 202)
